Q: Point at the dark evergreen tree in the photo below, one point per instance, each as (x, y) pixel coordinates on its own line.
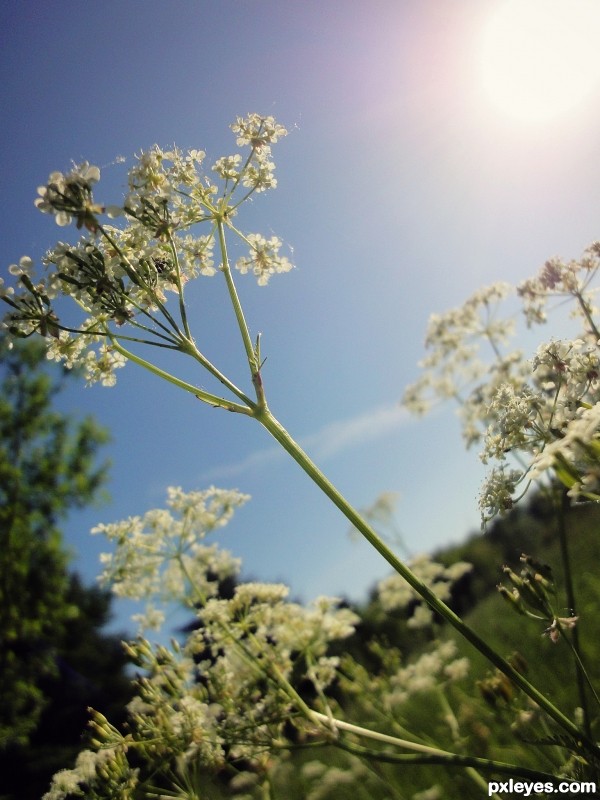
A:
(54, 659)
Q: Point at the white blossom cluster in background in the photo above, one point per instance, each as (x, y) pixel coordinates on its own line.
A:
(250, 646)
(224, 699)
(133, 256)
(162, 556)
(427, 673)
(225, 696)
(536, 416)
(227, 692)
(395, 593)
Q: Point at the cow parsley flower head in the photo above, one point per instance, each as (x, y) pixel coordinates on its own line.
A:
(527, 412)
(70, 195)
(137, 254)
(105, 768)
(264, 259)
(228, 167)
(426, 673)
(575, 454)
(246, 647)
(162, 556)
(100, 365)
(497, 492)
(514, 414)
(395, 593)
(257, 131)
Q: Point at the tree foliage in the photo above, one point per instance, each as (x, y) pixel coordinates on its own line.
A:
(47, 466)
(54, 660)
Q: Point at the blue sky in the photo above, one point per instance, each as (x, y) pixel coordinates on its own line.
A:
(403, 187)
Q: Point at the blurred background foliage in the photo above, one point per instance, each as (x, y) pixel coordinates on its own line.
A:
(55, 660)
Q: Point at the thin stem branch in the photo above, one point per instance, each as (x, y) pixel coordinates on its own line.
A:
(182, 309)
(135, 278)
(443, 758)
(376, 736)
(168, 338)
(190, 348)
(235, 300)
(481, 783)
(206, 397)
(586, 311)
(251, 353)
(570, 592)
(577, 658)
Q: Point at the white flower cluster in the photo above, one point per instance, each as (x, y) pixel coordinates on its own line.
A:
(539, 412)
(496, 495)
(228, 692)
(395, 593)
(427, 673)
(330, 781)
(171, 708)
(575, 456)
(70, 195)
(257, 131)
(250, 646)
(559, 279)
(455, 363)
(163, 556)
(121, 275)
(515, 412)
(105, 770)
(264, 259)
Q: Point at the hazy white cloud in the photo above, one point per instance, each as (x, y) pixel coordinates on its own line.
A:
(329, 441)
(367, 427)
(256, 459)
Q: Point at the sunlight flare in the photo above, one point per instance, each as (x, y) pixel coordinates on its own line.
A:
(540, 58)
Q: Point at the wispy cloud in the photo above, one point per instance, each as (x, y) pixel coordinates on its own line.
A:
(256, 459)
(337, 436)
(329, 441)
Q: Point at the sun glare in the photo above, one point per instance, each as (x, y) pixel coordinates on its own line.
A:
(541, 58)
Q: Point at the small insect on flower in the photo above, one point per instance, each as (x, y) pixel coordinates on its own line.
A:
(554, 630)
(48, 325)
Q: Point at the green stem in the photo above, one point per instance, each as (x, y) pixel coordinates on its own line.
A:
(235, 300)
(570, 591)
(449, 715)
(584, 307)
(206, 397)
(124, 338)
(169, 338)
(444, 759)
(279, 433)
(182, 309)
(241, 320)
(479, 782)
(340, 725)
(190, 348)
(578, 660)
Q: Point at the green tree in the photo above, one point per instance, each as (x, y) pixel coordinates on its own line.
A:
(47, 466)
(88, 670)
(54, 659)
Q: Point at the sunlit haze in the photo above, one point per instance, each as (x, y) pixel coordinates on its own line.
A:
(540, 58)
